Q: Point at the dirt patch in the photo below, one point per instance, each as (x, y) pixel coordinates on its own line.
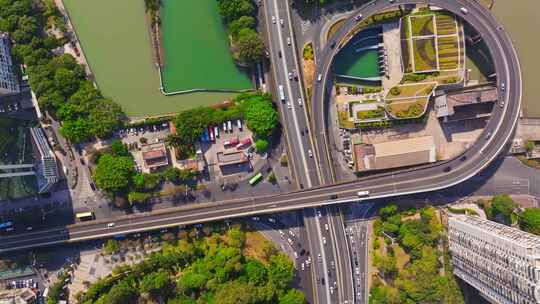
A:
(255, 244)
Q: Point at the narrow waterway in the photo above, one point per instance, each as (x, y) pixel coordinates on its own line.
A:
(521, 18)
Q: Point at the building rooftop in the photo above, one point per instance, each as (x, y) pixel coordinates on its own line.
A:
(230, 158)
(395, 154)
(17, 296)
(154, 155)
(520, 238)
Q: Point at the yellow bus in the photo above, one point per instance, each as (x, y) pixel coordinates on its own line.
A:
(85, 216)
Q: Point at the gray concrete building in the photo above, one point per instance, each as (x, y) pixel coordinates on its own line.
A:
(501, 262)
(46, 166)
(8, 79)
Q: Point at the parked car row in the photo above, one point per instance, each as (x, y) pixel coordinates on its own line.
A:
(213, 132)
(142, 130)
(12, 107)
(347, 147)
(30, 283)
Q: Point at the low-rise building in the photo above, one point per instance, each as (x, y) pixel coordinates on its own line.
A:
(18, 296)
(230, 157)
(154, 156)
(395, 154)
(501, 262)
(467, 104)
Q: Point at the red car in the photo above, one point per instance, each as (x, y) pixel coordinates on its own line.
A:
(244, 143)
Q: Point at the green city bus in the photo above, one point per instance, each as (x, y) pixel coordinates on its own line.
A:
(255, 179)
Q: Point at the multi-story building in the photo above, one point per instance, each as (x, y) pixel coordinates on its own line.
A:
(8, 79)
(46, 166)
(501, 262)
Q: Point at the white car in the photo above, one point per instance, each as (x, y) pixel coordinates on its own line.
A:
(300, 101)
(319, 213)
(326, 227)
(274, 19)
(281, 22)
(464, 10)
(288, 40)
(310, 153)
(324, 240)
(110, 225)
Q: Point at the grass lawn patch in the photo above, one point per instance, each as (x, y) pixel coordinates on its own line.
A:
(378, 113)
(409, 108)
(422, 25)
(255, 244)
(344, 122)
(424, 54)
(402, 258)
(116, 42)
(404, 91)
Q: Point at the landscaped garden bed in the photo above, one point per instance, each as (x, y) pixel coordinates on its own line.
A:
(425, 55)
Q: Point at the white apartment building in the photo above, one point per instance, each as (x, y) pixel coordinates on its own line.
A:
(8, 79)
(501, 262)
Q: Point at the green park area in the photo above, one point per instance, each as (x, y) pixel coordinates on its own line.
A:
(196, 49)
(116, 41)
(422, 25)
(218, 264)
(410, 255)
(408, 108)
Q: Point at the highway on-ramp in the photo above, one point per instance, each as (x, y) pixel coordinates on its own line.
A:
(497, 133)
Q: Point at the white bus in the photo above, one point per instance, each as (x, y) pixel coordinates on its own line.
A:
(281, 93)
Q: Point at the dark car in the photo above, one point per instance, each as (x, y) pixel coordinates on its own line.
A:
(447, 169)
(333, 196)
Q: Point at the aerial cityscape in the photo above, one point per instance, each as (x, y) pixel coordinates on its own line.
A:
(269, 152)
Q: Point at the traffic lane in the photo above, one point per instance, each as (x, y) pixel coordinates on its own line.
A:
(278, 55)
(317, 270)
(226, 210)
(342, 257)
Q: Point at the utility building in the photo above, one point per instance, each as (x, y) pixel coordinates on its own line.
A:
(395, 154)
(501, 262)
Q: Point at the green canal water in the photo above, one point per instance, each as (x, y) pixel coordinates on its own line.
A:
(521, 18)
(358, 65)
(196, 48)
(116, 42)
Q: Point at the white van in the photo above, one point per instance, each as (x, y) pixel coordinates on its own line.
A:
(319, 78)
(239, 124)
(363, 193)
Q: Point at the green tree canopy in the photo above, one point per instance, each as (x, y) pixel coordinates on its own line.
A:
(281, 270)
(260, 114)
(261, 145)
(233, 9)
(241, 23)
(113, 173)
(529, 220)
(293, 296)
(156, 283)
(250, 46)
(502, 208)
